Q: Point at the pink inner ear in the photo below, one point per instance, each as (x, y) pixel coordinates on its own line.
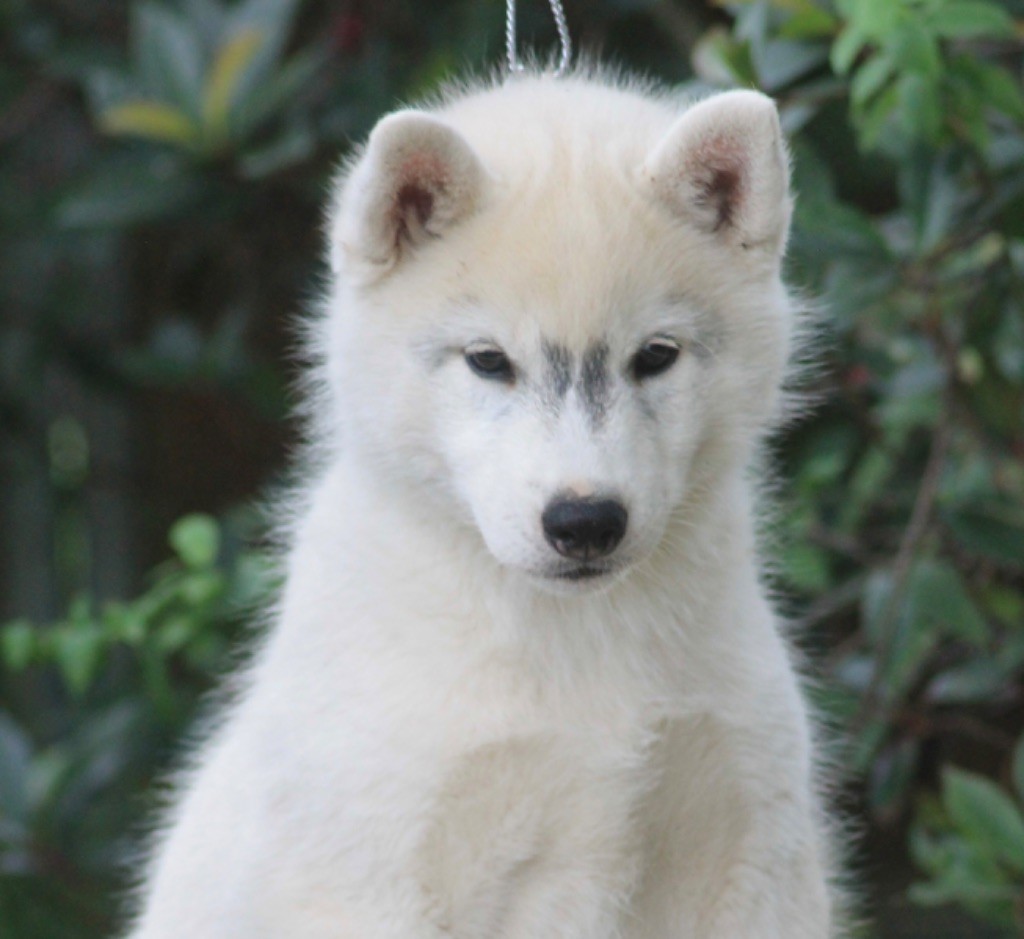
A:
(420, 177)
(423, 170)
(422, 167)
(411, 199)
(717, 173)
(720, 188)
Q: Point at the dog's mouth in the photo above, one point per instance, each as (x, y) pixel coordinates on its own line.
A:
(582, 572)
(578, 578)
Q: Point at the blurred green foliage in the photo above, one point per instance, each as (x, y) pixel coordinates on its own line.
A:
(122, 680)
(162, 166)
(972, 845)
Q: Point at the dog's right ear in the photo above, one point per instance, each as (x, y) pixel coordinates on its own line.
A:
(722, 167)
(416, 178)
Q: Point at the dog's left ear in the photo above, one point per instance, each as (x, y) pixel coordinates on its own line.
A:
(417, 177)
(723, 168)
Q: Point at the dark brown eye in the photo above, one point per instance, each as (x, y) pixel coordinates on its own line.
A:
(654, 357)
(489, 362)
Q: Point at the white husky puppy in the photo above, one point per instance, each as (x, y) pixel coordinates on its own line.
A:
(524, 681)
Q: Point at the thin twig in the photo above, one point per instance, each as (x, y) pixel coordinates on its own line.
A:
(913, 537)
(956, 725)
(827, 605)
(841, 544)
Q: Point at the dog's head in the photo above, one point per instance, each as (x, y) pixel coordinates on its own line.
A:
(558, 305)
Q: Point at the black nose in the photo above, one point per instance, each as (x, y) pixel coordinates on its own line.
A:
(584, 529)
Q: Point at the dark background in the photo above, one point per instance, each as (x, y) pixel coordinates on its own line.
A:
(163, 167)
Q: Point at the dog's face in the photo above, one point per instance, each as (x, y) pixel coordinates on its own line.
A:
(552, 346)
(569, 451)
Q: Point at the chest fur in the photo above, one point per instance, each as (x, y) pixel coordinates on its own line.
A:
(526, 827)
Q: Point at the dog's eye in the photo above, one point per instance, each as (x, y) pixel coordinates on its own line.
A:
(655, 356)
(489, 362)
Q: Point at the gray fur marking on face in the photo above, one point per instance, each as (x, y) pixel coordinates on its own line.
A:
(594, 382)
(590, 377)
(558, 379)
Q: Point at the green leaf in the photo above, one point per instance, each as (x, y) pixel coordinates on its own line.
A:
(966, 19)
(920, 106)
(1005, 604)
(18, 644)
(168, 55)
(123, 623)
(752, 22)
(1001, 90)
(876, 18)
(196, 540)
(202, 587)
(915, 48)
(273, 19)
(870, 79)
(940, 600)
(916, 631)
(175, 633)
(990, 530)
(875, 602)
(985, 815)
(868, 479)
(278, 92)
(928, 851)
(150, 120)
(934, 603)
(51, 771)
(224, 81)
(78, 649)
(877, 117)
(932, 193)
(780, 63)
(867, 743)
(961, 891)
(207, 20)
(962, 874)
(846, 48)
(811, 22)
(907, 408)
(719, 58)
(806, 568)
(979, 681)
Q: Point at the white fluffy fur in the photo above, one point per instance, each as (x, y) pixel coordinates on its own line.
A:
(437, 738)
